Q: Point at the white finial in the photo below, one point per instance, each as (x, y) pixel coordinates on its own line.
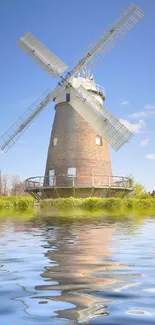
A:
(87, 73)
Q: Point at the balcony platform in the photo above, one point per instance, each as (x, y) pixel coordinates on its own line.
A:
(80, 186)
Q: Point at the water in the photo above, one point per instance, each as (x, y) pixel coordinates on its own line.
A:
(100, 271)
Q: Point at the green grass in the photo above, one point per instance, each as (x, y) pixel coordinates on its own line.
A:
(99, 203)
(16, 202)
(91, 203)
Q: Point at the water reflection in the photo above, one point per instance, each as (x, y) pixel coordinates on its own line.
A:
(79, 255)
(99, 272)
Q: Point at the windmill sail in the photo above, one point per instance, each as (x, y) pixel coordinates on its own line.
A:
(102, 121)
(42, 55)
(111, 37)
(83, 102)
(16, 130)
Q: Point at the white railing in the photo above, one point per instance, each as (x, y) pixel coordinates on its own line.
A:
(100, 89)
(79, 181)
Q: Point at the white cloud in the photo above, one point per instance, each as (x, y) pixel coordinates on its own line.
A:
(144, 142)
(149, 106)
(124, 102)
(138, 114)
(134, 127)
(141, 114)
(151, 156)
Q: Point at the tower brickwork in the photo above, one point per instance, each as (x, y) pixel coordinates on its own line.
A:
(76, 148)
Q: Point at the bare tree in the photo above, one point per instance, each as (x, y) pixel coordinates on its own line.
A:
(5, 179)
(17, 186)
(11, 185)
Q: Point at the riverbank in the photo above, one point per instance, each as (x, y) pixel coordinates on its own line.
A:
(16, 202)
(96, 206)
(86, 203)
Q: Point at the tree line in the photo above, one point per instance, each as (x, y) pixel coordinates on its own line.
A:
(11, 185)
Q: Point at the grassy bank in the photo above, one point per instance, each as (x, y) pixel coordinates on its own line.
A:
(74, 203)
(99, 203)
(16, 202)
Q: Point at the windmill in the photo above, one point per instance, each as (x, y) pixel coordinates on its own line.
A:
(78, 154)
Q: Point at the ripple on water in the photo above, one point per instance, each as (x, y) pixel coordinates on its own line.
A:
(77, 273)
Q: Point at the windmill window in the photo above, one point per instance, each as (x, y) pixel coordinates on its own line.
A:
(71, 171)
(55, 140)
(68, 98)
(98, 140)
(51, 177)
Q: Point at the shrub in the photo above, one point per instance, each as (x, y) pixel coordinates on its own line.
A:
(144, 201)
(144, 195)
(16, 202)
(112, 203)
(99, 203)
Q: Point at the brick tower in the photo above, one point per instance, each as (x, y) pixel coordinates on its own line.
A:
(75, 150)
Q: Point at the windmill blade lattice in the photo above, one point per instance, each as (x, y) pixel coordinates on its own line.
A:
(16, 130)
(102, 121)
(112, 35)
(42, 55)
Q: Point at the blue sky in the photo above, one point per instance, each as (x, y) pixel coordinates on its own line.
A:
(128, 75)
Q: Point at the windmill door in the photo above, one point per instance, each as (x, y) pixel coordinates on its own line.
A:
(51, 177)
